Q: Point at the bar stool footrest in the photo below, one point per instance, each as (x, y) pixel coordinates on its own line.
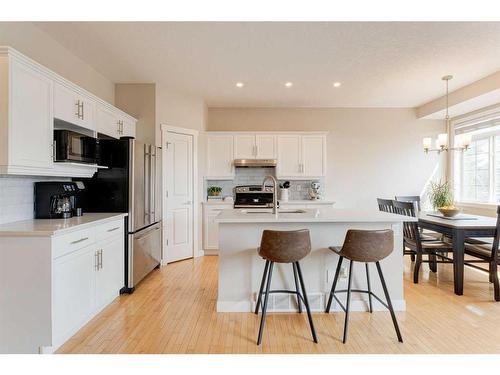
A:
(358, 291)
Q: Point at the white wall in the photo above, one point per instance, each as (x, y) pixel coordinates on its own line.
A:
(371, 152)
(179, 110)
(36, 44)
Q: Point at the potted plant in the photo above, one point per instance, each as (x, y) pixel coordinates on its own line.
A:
(441, 197)
(214, 191)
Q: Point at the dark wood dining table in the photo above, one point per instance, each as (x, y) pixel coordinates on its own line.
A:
(458, 230)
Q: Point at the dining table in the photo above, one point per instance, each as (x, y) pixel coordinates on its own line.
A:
(458, 229)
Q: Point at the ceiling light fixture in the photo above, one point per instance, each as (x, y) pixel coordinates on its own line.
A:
(337, 84)
(289, 84)
(239, 84)
(462, 141)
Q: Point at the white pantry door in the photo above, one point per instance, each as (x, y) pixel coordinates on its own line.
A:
(179, 181)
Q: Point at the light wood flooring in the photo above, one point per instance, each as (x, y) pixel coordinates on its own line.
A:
(173, 311)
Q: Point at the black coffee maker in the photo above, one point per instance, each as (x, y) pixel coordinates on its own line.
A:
(56, 199)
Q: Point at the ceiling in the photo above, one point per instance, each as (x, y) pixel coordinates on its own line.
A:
(380, 64)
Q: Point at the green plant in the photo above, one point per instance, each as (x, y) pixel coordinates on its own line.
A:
(441, 194)
(214, 190)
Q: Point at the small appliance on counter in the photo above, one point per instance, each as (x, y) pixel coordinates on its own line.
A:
(57, 199)
(315, 191)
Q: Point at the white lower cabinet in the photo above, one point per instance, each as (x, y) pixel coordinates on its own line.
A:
(66, 280)
(74, 291)
(210, 227)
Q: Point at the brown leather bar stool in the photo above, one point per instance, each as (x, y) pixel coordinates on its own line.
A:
(283, 247)
(366, 246)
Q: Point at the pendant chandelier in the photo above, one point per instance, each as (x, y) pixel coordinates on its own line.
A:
(462, 141)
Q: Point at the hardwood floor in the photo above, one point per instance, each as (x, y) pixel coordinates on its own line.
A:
(173, 311)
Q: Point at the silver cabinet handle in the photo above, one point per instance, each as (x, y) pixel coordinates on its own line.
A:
(96, 260)
(100, 263)
(83, 114)
(77, 109)
(80, 240)
(113, 229)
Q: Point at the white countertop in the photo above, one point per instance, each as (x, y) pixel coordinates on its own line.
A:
(311, 215)
(304, 201)
(51, 227)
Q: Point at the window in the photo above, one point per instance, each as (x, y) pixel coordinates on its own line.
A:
(477, 170)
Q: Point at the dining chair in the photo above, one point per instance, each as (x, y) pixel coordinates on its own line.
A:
(385, 205)
(413, 240)
(487, 253)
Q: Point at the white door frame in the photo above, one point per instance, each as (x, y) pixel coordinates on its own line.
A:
(194, 133)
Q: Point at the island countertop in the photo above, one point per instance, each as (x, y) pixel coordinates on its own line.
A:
(310, 215)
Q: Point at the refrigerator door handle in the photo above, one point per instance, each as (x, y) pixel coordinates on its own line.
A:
(147, 189)
(152, 184)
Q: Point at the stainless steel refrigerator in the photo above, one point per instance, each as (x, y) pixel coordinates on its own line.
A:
(130, 183)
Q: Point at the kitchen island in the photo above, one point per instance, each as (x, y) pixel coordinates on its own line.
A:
(240, 267)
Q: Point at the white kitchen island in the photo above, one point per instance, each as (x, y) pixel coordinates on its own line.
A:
(241, 268)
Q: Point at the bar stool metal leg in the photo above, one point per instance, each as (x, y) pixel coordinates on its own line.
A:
(297, 287)
(348, 303)
(264, 306)
(335, 279)
(306, 302)
(369, 287)
(259, 297)
(389, 303)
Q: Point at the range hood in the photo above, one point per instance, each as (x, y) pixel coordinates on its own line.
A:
(255, 163)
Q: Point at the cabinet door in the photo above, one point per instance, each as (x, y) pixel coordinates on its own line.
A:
(110, 275)
(31, 127)
(265, 146)
(128, 128)
(220, 156)
(67, 106)
(244, 146)
(87, 111)
(74, 291)
(289, 156)
(211, 229)
(313, 155)
(106, 122)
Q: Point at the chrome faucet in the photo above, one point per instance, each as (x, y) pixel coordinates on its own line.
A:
(275, 191)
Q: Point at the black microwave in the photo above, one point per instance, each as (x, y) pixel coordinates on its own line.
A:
(70, 146)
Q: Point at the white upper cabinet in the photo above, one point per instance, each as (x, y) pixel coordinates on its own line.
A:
(244, 146)
(314, 155)
(26, 124)
(265, 146)
(32, 100)
(72, 107)
(112, 123)
(220, 156)
(254, 146)
(301, 156)
(289, 156)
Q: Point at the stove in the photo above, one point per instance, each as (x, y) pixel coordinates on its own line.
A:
(253, 196)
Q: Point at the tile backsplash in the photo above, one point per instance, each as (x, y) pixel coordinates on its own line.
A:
(16, 197)
(299, 189)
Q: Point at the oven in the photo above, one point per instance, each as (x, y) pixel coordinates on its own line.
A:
(253, 196)
(70, 146)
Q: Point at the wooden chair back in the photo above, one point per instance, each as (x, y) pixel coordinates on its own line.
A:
(415, 199)
(410, 228)
(385, 205)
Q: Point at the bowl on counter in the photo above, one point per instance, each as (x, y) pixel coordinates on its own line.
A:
(449, 211)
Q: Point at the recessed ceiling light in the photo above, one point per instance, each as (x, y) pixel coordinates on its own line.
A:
(289, 84)
(337, 84)
(239, 84)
